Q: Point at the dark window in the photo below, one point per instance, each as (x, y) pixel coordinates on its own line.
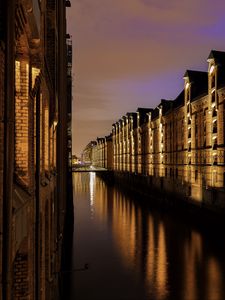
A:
(215, 127)
(213, 81)
(213, 96)
(196, 175)
(189, 132)
(215, 144)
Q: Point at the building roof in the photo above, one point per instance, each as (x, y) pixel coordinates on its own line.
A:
(219, 58)
(142, 114)
(179, 101)
(199, 83)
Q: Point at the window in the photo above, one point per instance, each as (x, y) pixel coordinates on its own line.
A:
(215, 126)
(196, 175)
(214, 159)
(189, 133)
(214, 143)
(213, 81)
(213, 96)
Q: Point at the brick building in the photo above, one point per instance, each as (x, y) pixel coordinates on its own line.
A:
(178, 147)
(34, 117)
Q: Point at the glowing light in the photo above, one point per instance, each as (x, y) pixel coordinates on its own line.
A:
(35, 73)
(211, 69)
(187, 85)
(92, 183)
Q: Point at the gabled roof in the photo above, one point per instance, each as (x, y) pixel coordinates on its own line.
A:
(142, 114)
(218, 56)
(199, 83)
(166, 105)
(179, 101)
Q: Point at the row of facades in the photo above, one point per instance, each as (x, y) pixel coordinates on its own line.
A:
(179, 145)
(35, 145)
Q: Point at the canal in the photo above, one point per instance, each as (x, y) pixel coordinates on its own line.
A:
(125, 250)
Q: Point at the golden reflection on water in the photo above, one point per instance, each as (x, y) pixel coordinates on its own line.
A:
(156, 261)
(161, 264)
(92, 191)
(192, 259)
(214, 283)
(124, 228)
(144, 242)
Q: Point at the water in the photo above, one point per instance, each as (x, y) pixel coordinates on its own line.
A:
(133, 252)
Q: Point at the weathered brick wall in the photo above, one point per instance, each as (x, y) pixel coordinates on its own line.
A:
(21, 120)
(1, 150)
(20, 274)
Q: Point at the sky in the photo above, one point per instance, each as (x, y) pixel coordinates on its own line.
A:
(133, 53)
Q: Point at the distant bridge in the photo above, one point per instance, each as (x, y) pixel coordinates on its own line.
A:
(87, 168)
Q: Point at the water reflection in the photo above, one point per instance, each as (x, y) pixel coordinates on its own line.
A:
(92, 191)
(137, 253)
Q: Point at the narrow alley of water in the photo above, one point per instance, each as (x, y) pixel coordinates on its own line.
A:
(123, 249)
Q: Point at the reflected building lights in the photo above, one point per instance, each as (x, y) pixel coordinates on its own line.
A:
(124, 229)
(150, 253)
(183, 266)
(214, 284)
(193, 257)
(92, 191)
(161, 269)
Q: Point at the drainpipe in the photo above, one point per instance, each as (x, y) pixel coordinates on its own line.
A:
(8, 149)
(37, 200)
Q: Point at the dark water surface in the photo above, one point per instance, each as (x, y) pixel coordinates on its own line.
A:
(133, 252)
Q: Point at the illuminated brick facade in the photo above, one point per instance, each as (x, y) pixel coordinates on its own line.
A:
(33, 147)
(179, 145)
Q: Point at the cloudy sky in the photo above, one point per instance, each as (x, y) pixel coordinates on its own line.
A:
(133, 53)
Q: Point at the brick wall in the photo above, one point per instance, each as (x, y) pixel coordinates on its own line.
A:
(21, 120)
(20, 274)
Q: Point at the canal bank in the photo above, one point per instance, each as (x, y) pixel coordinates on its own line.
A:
(173, 196)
